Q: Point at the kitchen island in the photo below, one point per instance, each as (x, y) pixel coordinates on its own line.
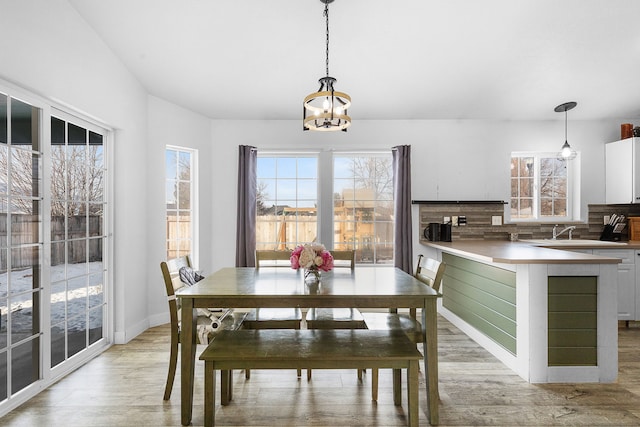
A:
(550, 315)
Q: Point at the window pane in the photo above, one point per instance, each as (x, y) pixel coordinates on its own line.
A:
(95, 324)
(308, 189)
(184, 195)
(25, 125)
(179, 187)
(24, 173)
(526, 208)
(560, 207)
(24, 365)
(286, 189)
(286, 168)
(307, 167)
(184, 166)
(526, 187)
(287, 198)
(266, 167)
(363, 202)
(171, 164)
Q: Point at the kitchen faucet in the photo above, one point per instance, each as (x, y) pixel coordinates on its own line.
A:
(556, 233)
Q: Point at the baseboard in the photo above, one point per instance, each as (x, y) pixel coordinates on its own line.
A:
(131, 333)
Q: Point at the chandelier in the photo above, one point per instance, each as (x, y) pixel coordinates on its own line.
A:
(566, 152)
(326, 109)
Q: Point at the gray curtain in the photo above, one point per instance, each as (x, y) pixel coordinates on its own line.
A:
(403, 235)
(247, 191)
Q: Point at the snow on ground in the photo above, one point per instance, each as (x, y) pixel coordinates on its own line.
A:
(82, 280)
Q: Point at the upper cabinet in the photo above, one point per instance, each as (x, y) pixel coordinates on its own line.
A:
(622, 177)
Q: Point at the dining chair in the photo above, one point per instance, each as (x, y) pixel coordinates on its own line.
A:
(204, 322)
(430, 272)
(337, 318)
(273, 318)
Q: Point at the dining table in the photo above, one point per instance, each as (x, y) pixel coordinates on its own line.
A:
(372, 287)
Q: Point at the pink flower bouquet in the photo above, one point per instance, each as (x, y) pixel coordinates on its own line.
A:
(313, 258)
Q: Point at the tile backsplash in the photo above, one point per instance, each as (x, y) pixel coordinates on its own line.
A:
(479, 215)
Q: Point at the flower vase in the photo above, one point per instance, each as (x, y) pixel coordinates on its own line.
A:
(311, 276)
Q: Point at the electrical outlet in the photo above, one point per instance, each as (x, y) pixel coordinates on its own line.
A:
(446, 219)
(496, 220)
(605, 219)
(454, 220)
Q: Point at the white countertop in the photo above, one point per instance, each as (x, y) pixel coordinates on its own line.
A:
(499, 251)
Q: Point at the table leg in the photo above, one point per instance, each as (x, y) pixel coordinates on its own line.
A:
(187, 358)
(430, 335)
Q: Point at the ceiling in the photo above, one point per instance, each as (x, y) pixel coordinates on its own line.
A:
(401, 59)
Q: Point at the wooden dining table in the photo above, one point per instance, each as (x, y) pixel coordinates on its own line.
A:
(362, 287)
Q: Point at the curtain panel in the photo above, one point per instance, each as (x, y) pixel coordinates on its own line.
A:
(247, 192)
(403, 234)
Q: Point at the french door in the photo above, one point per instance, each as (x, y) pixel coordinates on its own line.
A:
(53, 244)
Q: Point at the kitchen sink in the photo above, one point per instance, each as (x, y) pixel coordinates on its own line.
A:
(571, 242)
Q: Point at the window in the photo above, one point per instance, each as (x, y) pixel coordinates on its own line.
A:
(542, 187)
(287, 201)
(344, 200)
(180, 188)
(363, 206)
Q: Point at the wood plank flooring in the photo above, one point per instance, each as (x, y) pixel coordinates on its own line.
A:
(124, 387)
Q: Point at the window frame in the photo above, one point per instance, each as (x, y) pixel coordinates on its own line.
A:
(325, 180)
(193, 187)
(573, 188)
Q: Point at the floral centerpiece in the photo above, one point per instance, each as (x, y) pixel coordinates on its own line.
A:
(314, 258)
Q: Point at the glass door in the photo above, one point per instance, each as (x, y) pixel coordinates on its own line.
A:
(20, 244)
(78, 240)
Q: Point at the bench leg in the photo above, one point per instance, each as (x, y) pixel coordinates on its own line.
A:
(209, 394)
(412, 392)
(226, 390)
(374, 384)
(397, 387)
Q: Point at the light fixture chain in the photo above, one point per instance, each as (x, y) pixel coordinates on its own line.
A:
(326, 14)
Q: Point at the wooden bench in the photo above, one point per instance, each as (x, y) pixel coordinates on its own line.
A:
(315, 349)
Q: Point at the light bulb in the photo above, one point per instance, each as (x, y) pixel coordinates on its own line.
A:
(325, 104)
(338, 111)
(566, 150)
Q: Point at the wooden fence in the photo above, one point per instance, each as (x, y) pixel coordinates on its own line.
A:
(25, 236)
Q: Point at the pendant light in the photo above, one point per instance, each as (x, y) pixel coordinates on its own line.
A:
(326, 109)
(566, 153)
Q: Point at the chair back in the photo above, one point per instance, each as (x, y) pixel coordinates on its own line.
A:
(344, 258)
(273, 258)
(170, 273)
(430, 271)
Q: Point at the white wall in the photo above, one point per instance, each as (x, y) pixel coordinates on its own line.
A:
(48, 49)
(173, 125)
(451, 159)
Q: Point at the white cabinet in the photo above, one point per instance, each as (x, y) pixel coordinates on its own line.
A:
(622, 174)
(628, 270)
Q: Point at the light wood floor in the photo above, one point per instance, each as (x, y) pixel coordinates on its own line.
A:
(124, 387)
